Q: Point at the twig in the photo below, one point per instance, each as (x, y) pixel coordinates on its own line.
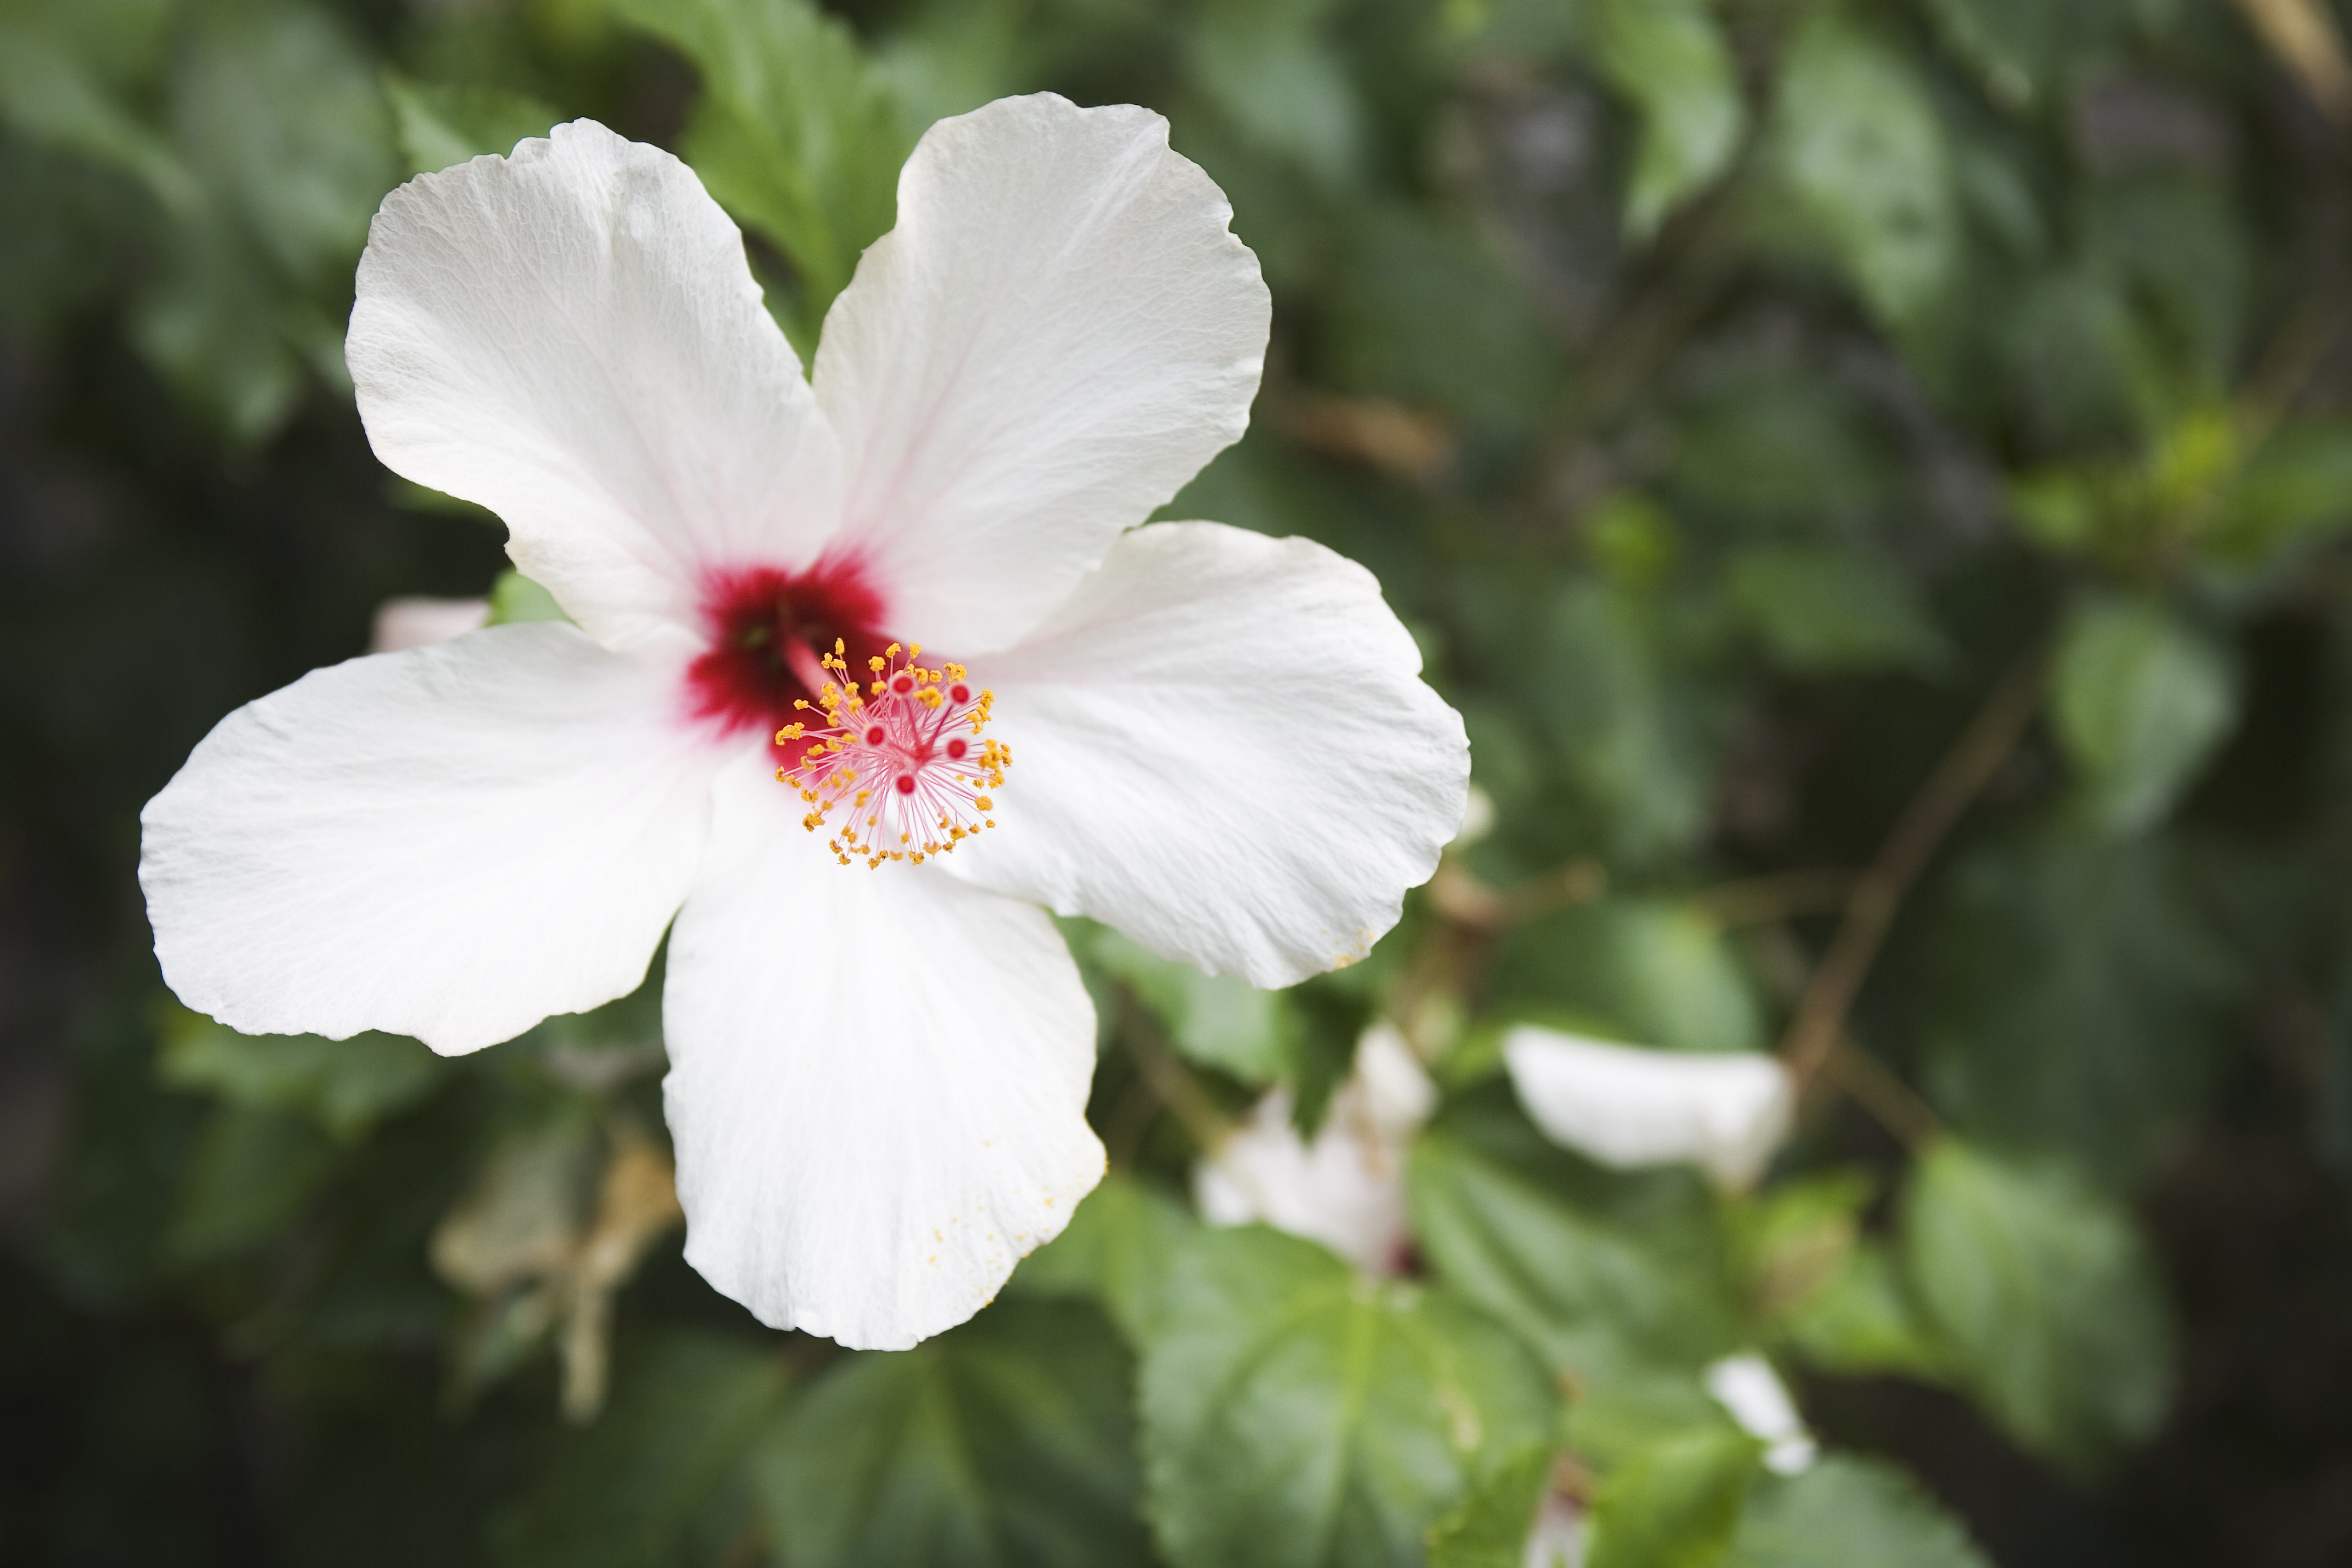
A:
(1890, 1101)
(2302, 36)
(1870, 910)
(1462, 897)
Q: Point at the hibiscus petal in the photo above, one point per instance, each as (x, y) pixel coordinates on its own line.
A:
(1059, 332)
(1222, 746)
(572, 338)
(877, 1084)
(450, 842)
(1628, 1106)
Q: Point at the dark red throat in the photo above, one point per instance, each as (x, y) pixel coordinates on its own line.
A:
(768, 628)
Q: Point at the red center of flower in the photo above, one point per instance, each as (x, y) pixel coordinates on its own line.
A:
(769, 629)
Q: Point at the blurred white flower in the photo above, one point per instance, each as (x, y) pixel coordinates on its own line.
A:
(1557, 1539)
(421, 623)
(1346, 1188)
(1627, 1106)
(1748, 1387)
(878, 1080)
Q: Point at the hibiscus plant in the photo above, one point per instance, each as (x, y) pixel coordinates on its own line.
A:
(1091, 782)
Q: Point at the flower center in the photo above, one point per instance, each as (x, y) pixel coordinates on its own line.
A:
(766, 627)
(901, 761)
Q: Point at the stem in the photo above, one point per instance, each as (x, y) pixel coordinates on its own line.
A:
(1870, 910)
(1890, 1101)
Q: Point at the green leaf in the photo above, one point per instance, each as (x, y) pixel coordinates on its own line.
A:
(1423, 311)
(2045, 1298)
(2142, 700)
(1849, 1512)
(1863, 1323)
(1488, 1529)
(2297, 488)
(1296, 1414)
(655, 1479)
(2078, 992)
(1266, 67)
(795, 134)
(515, 597)
(1119, 1248)
(1819, 607)
(252, 1173)
(2023, 50)
(346, 1086)
(1858, 145)
(1675, 1504)
(1215, 1020)
(1609, 1275)
(1635, 740)
(286, 125)
(62, 71)
(1649, 971)
(1007, 1441)
(439, 125)
(1669, 60)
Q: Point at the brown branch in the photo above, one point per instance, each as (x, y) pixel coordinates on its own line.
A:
(1891, 1103)
(2302, 36)
(1870, 910)
(1462, 899)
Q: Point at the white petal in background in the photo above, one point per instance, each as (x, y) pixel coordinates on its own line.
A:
(1557, 1539)
(1748, 1387)
(408, 623)
(451, 842)
(1346, 1189)
(877, 1085)
(1058, 333)
(572, 338)
(1223, 747)
(1628, 1106)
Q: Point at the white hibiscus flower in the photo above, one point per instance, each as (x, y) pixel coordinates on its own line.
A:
(878, 1077)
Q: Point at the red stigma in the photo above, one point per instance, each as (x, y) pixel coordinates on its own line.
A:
(903, 685)
(961, 693)
(766, 628)
(874, 736)
(955, 749)
(906, 783)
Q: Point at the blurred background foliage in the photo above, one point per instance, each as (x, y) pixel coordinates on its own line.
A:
(1872, 473)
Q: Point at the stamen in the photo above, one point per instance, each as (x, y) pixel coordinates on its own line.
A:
(895, 759)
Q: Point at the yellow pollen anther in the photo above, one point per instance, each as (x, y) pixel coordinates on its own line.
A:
(898, 762)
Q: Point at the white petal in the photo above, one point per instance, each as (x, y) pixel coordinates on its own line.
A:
(1398, 1095)
(1058, 333)
(1223, 747)
(1748, 1387)
(1557, 1540)
(572, 338)
(1626, 1107)
(877, 1084)
(451, 842)
(420, 623)
(1346, 1189)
